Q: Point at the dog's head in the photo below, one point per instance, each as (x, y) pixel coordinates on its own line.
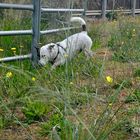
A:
(47, 53)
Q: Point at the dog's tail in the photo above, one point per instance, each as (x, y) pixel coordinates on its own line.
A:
(80, 20)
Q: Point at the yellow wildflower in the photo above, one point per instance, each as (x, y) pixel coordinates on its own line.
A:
(13, 49)
(33, 79)
(109, 79)
(1, 50)
(9, 74)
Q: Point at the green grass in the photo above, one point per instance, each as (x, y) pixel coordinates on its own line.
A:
(125, 41)
(74, 101)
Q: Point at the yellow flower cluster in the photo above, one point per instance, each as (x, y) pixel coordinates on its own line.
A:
(33, 79)
(14, 50)
(1, 50)
(9, 75)
(109, 79)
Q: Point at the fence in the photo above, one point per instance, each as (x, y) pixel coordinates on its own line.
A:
(37, 9)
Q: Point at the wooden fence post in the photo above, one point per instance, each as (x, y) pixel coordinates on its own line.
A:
(104, 6)
(133, 7)
(36, 30)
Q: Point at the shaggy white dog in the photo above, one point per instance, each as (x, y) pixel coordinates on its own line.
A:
(58, 53)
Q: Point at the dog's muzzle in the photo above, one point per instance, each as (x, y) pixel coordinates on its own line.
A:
(39, 64)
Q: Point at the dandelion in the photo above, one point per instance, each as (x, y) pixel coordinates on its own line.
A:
(109, 79)
(66, 55)
(110, 104)
(13, 49)
(1, 50)
(9, 74)
(33, 79)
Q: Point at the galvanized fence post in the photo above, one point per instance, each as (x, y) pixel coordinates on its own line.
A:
(133, 7)
(36, 30)
(104, 6)
(84, 3)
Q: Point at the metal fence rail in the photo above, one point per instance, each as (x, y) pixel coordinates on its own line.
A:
(99, 12)
(13, 58)
(61, 10)
(16, 6)
(16, 32)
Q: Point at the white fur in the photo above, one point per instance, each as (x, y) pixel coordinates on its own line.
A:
(78, 19)
(70, 46)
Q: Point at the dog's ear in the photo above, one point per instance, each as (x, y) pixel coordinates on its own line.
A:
(51, 47)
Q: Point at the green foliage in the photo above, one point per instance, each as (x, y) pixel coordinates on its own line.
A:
(35, 110)
(134, 97)
(112, 15)
(137, 72)
(62, 128)
(54, 121)
(95, 33)
(125, 42)
(2, 122)
(126, 84)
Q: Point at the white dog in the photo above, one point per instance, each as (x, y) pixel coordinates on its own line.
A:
(58, 53)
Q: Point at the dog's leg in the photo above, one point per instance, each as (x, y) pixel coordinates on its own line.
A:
(88, 53)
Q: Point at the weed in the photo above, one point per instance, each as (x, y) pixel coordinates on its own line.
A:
(54, 121)
(34, 110)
